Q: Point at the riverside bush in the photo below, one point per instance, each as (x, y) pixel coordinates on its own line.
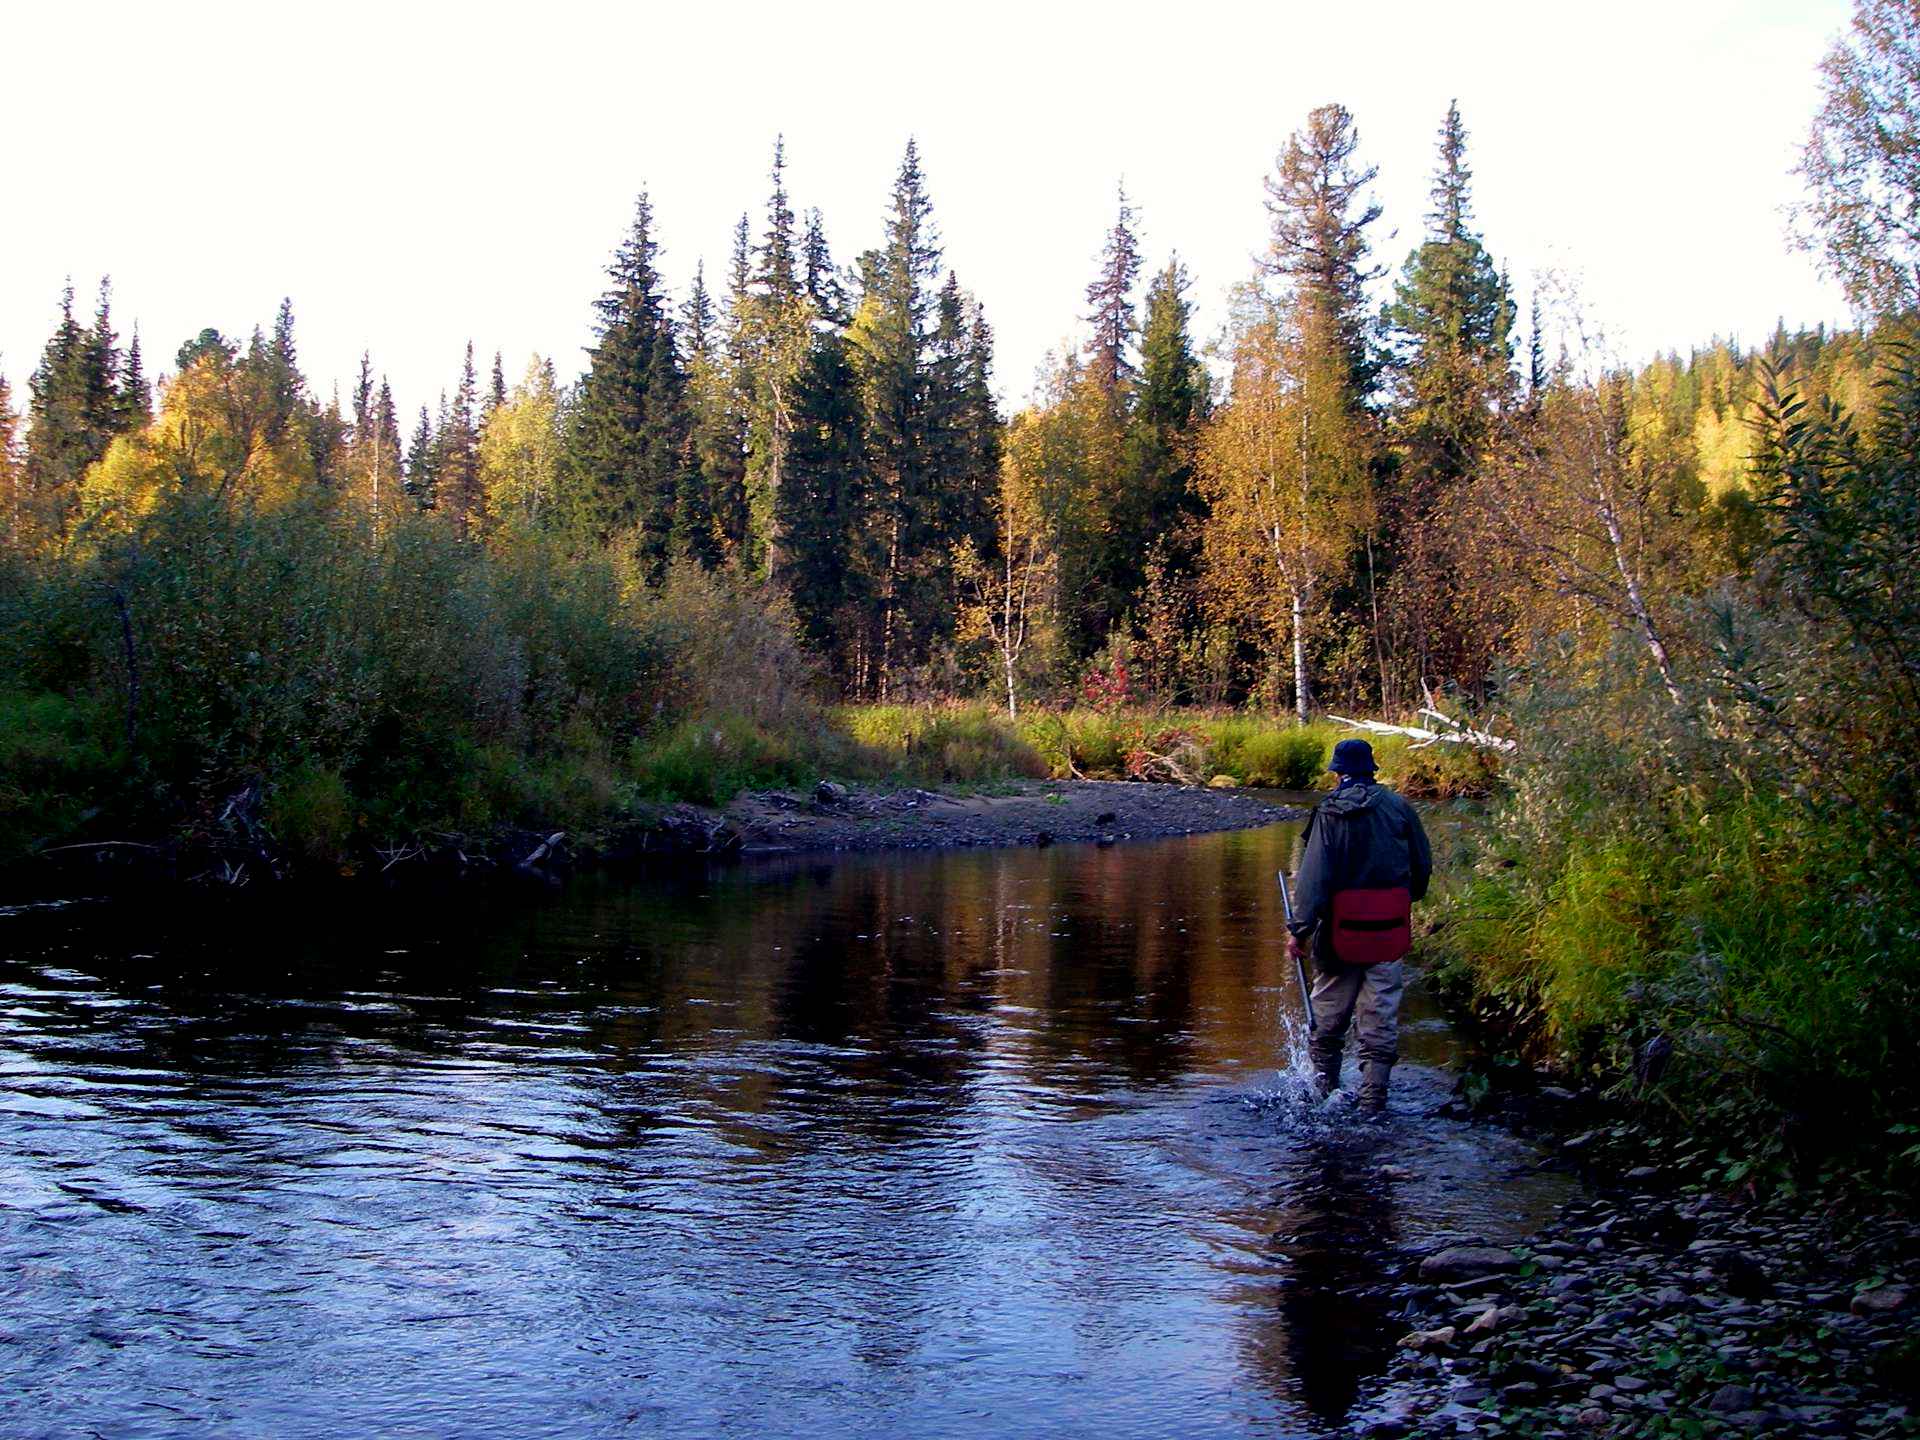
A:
(360, 686)
(1651, 872)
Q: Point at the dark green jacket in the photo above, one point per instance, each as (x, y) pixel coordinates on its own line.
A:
(1361, 837)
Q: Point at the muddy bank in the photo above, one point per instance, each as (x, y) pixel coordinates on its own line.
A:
(1657, 1306)
(242, 851)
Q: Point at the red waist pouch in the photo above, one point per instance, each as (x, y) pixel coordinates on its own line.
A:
(1371, 927)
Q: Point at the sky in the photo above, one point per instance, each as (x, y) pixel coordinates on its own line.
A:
(417, 175)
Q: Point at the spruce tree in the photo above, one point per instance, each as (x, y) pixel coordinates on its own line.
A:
(1109, 360)
(824, 567)
(1451, 324)
(280, 363)
(386, 480)
(775, 332)
(1536, 352)
(710, 518)
(1170, 406)
(822, 283)
(458, 477)
(74, 406)
(135, 399)
(421, 480)
(890, 335)
(627, 443)
(497, 388)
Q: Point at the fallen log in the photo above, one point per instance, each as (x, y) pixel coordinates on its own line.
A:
(1422, 737)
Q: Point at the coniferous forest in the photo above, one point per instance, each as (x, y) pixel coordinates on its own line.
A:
(777, 527)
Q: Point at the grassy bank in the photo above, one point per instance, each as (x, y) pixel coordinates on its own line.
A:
(1193, 747)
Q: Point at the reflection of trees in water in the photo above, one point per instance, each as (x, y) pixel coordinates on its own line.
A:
(862, 991)
(1320, 1324)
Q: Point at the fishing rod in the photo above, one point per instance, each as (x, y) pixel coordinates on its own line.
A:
(1299, 965)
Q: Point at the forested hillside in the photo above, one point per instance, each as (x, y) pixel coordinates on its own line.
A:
(1331, 503)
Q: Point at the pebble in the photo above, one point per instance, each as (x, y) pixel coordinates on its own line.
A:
(1732, 1399)
(1468, 1262)
(1883, 1301)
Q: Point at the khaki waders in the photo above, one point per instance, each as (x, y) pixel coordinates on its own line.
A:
(1367, 997)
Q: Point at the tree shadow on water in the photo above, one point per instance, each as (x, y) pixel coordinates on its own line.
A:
(1328, 1323)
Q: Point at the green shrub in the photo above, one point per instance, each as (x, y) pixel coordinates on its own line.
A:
(312, 814)
(56, 759)
(1646, 873)
(974, 743)
(709, 761)
(1291, 759)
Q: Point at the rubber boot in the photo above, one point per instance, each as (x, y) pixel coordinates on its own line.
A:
(1326, 1074)
(1373, 1086)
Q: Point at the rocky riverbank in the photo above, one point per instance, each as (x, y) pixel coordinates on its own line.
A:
(1658, 1306)
(836, 817)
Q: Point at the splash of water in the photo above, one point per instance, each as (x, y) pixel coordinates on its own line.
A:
(1294, 1086)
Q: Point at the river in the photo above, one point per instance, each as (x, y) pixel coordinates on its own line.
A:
(979, 1143)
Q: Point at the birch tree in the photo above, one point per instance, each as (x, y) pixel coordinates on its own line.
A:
(1009, 597)
(1283, 467)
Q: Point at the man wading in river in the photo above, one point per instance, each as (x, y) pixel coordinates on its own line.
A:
(1366, 862)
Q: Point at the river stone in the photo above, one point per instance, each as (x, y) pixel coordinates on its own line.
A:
(1468, 1262)
(1883, 1301)
(1494, 1319)
(1732, 1399)
(1425, 1340)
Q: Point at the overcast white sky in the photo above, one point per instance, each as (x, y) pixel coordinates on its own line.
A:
(413, 175)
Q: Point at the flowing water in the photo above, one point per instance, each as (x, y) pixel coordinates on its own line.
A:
(986, 1143)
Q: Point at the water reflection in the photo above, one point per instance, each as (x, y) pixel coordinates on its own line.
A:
(916, 1146)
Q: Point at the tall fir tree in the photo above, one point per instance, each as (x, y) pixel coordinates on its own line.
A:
(627, 443)
(497, 386)
(1109, 349)
(824, 567)
(890, 335)
(711, 519)
(1171, 404)
(75, 408)
(1536, 351)
(422, 481)
(282, 366)
(776, 329)
(822, 281)
(135, 399)
(1451, 324)
(459, 453)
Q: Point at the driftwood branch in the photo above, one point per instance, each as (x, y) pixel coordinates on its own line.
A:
(100, 845)
(1449, 731)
